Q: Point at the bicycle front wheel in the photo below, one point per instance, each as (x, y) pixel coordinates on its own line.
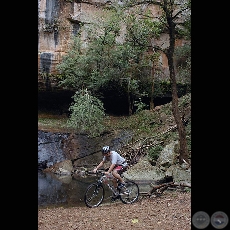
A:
(129, 193)
(94, 195)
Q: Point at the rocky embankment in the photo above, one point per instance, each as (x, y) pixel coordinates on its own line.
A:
(141, 171)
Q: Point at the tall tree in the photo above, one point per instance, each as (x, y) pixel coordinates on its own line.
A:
(174, 15)
(139, 31)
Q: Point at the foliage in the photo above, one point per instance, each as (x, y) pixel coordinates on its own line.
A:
(188, 137)
(140, 105)
(184, 27)
(106, 59)
(143, 124)
(73, 68)
(87, 114)
(184, 101)
(183, 60)
(154, 152)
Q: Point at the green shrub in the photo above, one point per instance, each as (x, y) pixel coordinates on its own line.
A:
(87, 114)
(154, 152)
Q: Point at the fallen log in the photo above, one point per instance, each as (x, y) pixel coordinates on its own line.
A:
(158, 189)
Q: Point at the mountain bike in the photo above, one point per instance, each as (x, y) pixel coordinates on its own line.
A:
(95, 192)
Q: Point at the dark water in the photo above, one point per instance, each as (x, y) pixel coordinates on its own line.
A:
(62, 191)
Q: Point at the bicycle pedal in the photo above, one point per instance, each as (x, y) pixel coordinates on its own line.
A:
(120, 186)
(124, 193)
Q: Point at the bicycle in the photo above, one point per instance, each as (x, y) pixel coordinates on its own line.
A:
(95, 192)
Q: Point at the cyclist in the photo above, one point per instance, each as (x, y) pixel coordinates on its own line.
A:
(117, 162)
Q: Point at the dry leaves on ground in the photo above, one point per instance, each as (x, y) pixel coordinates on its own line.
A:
(170, 211)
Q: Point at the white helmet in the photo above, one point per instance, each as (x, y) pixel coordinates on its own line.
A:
(105, 149)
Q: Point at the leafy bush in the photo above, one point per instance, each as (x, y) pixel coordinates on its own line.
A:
(154, 152)
(87, 114)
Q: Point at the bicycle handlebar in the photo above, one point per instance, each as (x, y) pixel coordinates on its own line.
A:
(98, 172)
(101, 172)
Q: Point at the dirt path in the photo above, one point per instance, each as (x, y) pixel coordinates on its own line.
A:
(170, 211)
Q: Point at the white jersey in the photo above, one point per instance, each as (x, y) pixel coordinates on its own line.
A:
(114, 158)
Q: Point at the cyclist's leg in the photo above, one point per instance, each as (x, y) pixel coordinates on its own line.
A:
(115, 182)
(116, 174)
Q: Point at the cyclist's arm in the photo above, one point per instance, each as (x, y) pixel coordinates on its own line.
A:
(97, 167)
(111, 168)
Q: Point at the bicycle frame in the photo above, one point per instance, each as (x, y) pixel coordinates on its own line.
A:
(106, 179)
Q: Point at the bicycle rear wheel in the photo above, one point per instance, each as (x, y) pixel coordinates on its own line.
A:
(129, 193)
(94, 195)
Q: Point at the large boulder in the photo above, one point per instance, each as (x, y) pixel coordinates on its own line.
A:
(166, 166)
(61, 168)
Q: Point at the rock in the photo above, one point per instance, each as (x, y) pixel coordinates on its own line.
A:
(61, 168)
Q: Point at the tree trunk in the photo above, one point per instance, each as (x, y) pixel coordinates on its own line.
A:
(129, 98)
(152, 88)
(183, 151)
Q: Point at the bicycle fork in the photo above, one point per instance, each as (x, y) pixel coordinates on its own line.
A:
(95, 193)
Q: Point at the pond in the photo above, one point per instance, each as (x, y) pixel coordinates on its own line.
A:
(67, 191)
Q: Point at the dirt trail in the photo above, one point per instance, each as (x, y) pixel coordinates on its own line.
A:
(170, 211)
